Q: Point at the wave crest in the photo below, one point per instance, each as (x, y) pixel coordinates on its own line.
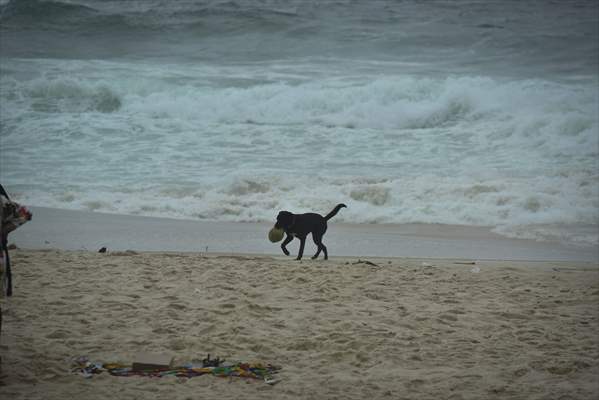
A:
(67, 95)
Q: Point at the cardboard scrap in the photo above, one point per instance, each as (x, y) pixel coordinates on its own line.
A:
(148, 361)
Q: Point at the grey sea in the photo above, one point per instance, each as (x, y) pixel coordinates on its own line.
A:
(473, 113)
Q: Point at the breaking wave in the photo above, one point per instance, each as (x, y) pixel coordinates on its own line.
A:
(240, 142)
(62, 95)
(515, 207)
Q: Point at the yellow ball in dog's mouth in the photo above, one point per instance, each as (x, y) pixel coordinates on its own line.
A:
(276, 234)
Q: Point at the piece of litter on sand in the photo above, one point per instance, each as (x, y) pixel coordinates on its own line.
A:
(365, 262)
(475, 270)
(425, 264)
(265, 372)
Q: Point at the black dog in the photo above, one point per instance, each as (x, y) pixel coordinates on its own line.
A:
(300, 225)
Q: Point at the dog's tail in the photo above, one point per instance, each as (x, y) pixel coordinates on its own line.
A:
(335, 211)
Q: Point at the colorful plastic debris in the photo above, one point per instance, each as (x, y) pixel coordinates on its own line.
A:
(215, 367)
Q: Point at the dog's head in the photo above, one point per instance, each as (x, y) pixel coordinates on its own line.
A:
(284, 220)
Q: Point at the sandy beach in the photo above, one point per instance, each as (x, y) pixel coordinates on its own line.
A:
(346, 328)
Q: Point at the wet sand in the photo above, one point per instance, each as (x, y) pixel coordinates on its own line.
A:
(80, 230)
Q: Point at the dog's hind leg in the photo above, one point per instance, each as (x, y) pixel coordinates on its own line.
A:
(318, 241)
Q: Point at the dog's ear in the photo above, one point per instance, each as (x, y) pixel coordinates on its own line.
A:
(279, 217)
(283, 219)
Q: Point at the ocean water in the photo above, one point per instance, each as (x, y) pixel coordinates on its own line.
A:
(461, 112)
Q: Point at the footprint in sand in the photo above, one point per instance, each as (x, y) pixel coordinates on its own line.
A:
(178, 306)
(447, 317)
(559, 370)
(59, 334)
(178, 344)
(521, 372)
(414, 383)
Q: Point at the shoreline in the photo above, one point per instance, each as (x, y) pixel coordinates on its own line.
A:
(61, 229)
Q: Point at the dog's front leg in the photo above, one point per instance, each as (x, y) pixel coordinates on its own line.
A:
(300, 253)
(288, 239)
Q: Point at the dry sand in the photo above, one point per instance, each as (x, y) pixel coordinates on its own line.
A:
(340, 329)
